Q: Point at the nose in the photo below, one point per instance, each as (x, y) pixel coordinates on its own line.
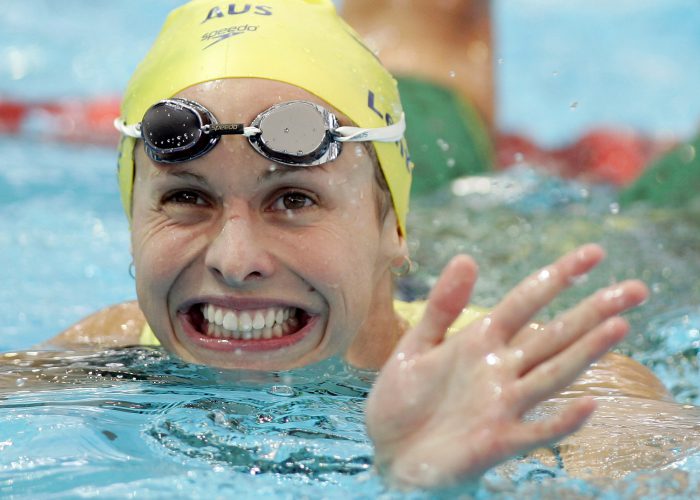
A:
(236, 256)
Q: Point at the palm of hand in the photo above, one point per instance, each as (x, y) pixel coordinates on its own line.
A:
(446, 409)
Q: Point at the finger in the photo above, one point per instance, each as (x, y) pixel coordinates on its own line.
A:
(531, 435)
(537, 290)
(558, 372)
(447, 299)
(537, 346)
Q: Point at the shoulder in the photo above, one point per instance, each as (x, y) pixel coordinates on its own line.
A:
(119, 325)
(618, 375)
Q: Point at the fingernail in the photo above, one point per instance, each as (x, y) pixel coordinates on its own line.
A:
(581, 254)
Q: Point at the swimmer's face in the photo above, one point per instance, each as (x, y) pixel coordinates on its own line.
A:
(243, 263)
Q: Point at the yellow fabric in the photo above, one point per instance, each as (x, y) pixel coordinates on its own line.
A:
(301, 42)
(412, 312)
(148, 337)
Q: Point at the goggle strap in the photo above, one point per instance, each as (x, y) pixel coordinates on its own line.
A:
(251, 131)
(128, 130)
(390, 133)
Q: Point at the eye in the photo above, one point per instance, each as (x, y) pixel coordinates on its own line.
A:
(186, 197)
(293, 200)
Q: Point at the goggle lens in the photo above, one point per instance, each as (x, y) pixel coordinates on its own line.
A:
(295, 133)
(174, 133)
(281, 131)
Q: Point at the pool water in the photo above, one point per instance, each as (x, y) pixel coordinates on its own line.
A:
(136, 422)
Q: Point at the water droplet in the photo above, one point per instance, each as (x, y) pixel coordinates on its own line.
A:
(265, 418)
(492, 359)
(451, 162)
(544, 275)
(282, 390)
(579, 280)
(21, 381)
(687, 153)
(452, 73)
(612, 295)
(444, 145)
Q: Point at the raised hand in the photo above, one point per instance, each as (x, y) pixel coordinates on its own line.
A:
(445, 409)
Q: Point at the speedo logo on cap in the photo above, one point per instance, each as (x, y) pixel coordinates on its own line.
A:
(236, 10)
(222, 34)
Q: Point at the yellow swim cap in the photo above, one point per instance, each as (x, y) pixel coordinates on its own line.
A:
(300, 42)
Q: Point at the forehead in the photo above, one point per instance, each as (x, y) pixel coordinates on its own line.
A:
(242, 99)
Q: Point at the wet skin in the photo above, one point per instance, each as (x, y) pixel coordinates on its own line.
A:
(238, 232)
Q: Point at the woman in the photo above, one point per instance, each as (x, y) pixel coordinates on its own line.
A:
(274, 248)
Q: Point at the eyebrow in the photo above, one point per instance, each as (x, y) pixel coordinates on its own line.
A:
(281, 170)
(184, 174)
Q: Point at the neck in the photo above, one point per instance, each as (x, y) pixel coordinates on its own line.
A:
(380, 332)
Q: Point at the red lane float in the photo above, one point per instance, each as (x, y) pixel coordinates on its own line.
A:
(615, 157)
(602, 155)
(609, 156)
(71, 120)
(12, 115)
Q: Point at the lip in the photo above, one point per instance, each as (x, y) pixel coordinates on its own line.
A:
(239, 303)
(232, 345)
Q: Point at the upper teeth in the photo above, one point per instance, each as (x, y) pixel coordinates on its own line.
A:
(249, 324)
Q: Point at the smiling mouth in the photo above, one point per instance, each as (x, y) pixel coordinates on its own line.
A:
(255, 324)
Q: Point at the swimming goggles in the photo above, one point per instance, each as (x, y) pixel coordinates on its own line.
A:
(299, 133)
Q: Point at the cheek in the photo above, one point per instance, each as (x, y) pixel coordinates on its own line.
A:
(160, 253)
(340, 262)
